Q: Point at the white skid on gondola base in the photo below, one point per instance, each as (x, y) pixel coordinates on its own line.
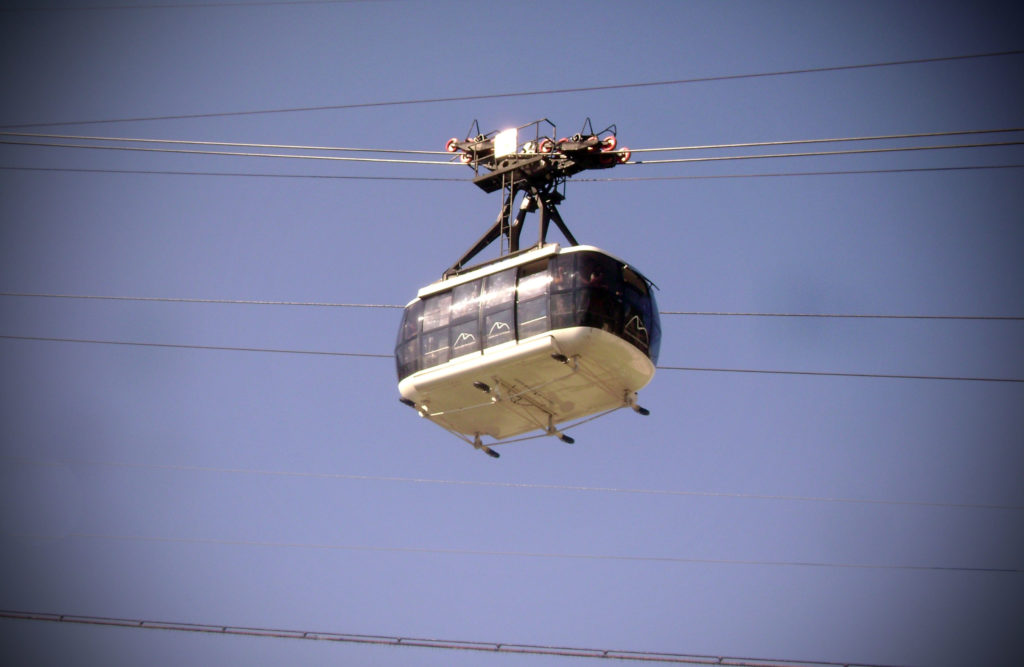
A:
(533, 385)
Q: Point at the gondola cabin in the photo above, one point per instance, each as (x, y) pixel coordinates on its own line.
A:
(529, 341)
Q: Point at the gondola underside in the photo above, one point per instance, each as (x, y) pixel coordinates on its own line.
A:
(536, 384)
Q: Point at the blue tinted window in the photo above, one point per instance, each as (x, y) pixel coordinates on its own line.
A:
(466, 300)
(499, 290)
(437, 310)
(532, 299)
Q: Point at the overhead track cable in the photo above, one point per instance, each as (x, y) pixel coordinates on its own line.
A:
(186, 151)
(1008, 318)
(22, 136)
(958, 378)
(831, 172)
(888, 376)
(185, 346)
(187, 5)
(328, 304)
(554, 91)
(192, 300)
(713, 158)
(237, 144)
(786, 174)
(848, 151)
(792, 142)
(412, 642)
(168, 172)
(749, 144)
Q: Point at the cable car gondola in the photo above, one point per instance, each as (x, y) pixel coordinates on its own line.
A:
(540, 339)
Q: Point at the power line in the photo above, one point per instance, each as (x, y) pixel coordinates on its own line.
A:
(842, 315)
(849, 151)
(186, 5)
(546, 555)
(411, 642)
(297, 147)
(425, 152)
(886, 376)
(187, 151)
(792, 142)
(191, 300)
(508, 485)
(556, 91)
(843, 172)
(324, 304)
(335, 158)
(164, 172)
(786, 174)
(752, 144)
(198, 347)
(390, 356)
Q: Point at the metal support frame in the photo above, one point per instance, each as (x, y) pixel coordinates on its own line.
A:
(544, 202)
(539, 171)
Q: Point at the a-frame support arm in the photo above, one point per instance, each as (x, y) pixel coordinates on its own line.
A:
(543, 201)
(500, 227)
(549, 211)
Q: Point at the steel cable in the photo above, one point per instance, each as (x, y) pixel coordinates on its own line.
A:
(327, 304)
(412, 642)
(555, 91)
(956, 378)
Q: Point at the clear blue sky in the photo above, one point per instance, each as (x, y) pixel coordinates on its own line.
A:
(807, 517)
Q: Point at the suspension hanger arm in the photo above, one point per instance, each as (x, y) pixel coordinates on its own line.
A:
(499, 228)
(537, 167)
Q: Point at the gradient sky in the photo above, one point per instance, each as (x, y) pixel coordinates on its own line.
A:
(806, 517)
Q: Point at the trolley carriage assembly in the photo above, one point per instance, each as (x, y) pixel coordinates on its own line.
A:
(541, 339)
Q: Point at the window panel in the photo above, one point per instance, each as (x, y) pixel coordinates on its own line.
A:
(533, 317)
(437, 311)
(411, 321)
(466, 300)
(595, 270)
(465, 338)
(533, 280)
(635, 331)
(533, 285)
(563, 272)
(499, 289)
(562, 310)
(598, 308)
(498, 327)
(633, 279)
(654, 327)
(435, 347)
(405, 359)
